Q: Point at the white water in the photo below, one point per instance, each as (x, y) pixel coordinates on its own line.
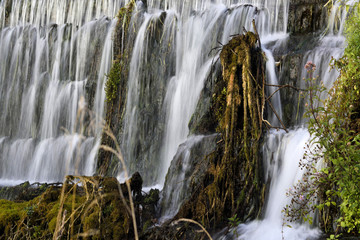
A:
(197, 37)
(46, 47)
(191, 30)
(50, 50)
(178, 185)
(283, 151)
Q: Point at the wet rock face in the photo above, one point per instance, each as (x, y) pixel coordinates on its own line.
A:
(135, 100)
(306, 16)
(116, 87)
(186, 171)
(306, 21)
(291, 70)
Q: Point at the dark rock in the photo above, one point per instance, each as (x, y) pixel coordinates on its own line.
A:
(306, 16)
(24, 191)
(186, 171)
(136, 183)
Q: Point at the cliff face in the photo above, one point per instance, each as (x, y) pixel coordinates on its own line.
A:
(306, 23)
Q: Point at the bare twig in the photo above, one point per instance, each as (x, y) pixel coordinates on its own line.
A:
(277, 115)
(281, 87)
(256, 32)
(195, 222)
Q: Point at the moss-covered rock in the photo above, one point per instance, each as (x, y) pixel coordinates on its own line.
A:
(234, 168)
(83, 207)
(24, 191)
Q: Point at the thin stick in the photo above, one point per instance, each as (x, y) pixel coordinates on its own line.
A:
(256, 32)
(273, 109)
(281, 87)
(195, 222)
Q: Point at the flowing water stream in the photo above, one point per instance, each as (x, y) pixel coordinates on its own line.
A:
(160, 106)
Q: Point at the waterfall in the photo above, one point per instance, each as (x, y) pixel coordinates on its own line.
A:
(283, 151)
(55, 55)
(200, 26)
(53, 52)
(159, 106)
(199, 34)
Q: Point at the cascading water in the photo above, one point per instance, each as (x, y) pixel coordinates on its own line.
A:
(192, 30)
(283, 151)
(51, 51)
(54, 50)
(200, 25)
(199, 34)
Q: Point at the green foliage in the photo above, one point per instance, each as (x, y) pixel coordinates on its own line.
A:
(334, 125)
(234, 222)
(113, 81)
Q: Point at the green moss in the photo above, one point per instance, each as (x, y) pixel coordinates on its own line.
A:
(91, 221)
(10, 214)
(113, 80)
(119, 66)
(52, 225)
(234, 166)
(147, 225)
(97, 210)
(153, 197)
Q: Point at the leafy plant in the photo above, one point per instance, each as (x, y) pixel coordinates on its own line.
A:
(334, 125)
(234, 222)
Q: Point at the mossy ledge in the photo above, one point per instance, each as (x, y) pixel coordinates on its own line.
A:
(83, 207)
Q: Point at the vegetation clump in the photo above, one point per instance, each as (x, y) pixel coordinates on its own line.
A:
(84, 207)
(334, 125)
(237, 106)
